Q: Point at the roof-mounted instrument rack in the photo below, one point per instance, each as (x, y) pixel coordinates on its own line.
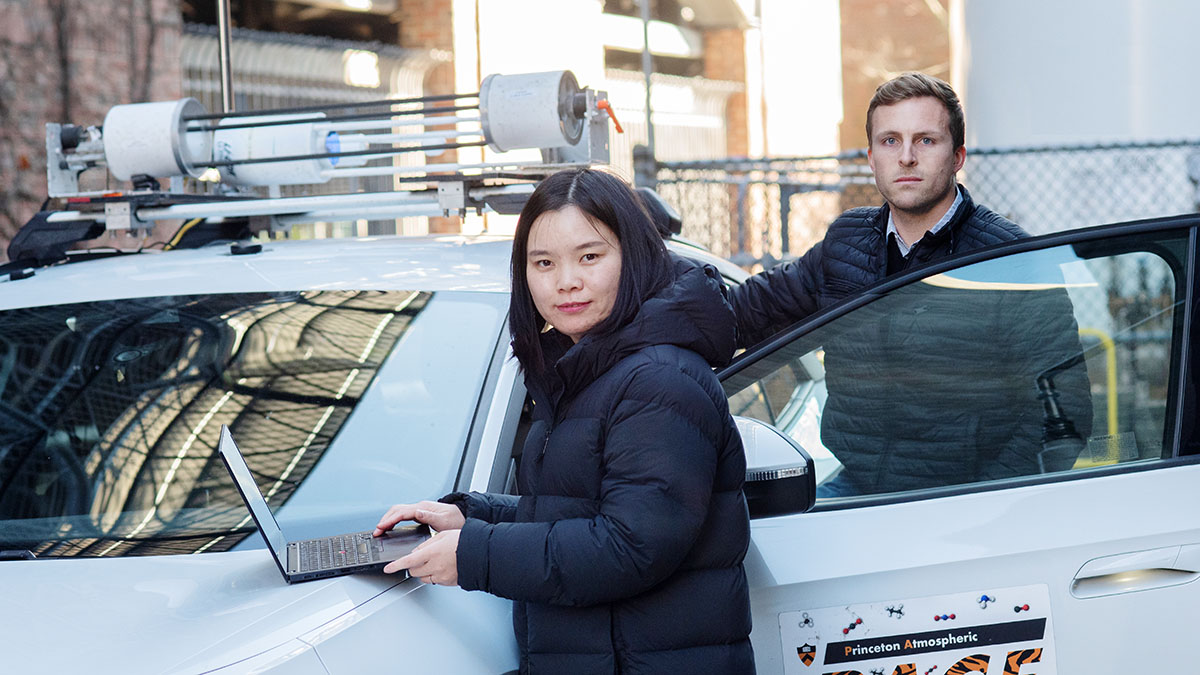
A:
(244, 158)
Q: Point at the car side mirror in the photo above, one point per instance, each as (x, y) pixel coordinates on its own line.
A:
(780, 478)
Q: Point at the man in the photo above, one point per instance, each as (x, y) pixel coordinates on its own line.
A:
(938, 385)
(915, 147)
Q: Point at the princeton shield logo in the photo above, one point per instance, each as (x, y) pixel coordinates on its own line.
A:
(807, 653)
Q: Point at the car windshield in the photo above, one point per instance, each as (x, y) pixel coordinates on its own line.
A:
(342, 402)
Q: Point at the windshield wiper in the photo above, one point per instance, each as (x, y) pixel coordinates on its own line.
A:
(17, 554)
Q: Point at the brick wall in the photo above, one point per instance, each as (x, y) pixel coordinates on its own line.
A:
(427, 24)
(70, 61)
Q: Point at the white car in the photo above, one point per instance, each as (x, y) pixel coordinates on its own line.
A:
(359, 373)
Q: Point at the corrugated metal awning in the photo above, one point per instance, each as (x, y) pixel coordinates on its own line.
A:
(283, 69)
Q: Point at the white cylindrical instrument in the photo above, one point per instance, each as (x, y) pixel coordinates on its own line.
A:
(152, 138)
(537, 110)
(282, 140)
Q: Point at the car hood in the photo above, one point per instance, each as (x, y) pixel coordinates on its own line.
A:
(187, 613)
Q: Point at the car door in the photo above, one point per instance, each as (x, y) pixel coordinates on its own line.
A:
(1006, 450)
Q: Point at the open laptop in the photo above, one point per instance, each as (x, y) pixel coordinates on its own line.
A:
(316, 558)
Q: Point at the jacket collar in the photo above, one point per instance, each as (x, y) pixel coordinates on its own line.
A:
(950, 230)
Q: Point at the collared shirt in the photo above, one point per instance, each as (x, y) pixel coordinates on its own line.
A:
(904, 246)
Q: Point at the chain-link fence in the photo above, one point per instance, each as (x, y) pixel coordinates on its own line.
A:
(761, 211)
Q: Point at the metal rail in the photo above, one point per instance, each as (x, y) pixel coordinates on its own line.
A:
(352, 153)
(376, 205)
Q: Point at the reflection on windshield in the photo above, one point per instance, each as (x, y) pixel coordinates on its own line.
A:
(110, 411)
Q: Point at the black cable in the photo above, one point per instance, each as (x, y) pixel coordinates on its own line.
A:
(183, 229)
(336, 118)
(330, 106)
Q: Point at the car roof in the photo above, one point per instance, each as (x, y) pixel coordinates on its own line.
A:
(427, 263)
(450, 262)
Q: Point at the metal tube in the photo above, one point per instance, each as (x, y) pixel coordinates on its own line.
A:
(518, 189)
(224, 31)
(354, 153)
(399, 138)
(646, 68)
(71, 216)
(785, 214)
(357, 204)
(742, 188)
(369, 213)
(388, 123)
(285, 205)
(360, 205)
(422, 168)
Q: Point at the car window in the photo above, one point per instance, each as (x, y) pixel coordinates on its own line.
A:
(341, 401)
(1042, 362)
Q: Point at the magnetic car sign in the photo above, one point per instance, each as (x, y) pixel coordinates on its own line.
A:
(1003, 631)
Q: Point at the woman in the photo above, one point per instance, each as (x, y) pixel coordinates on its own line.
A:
(624, 552)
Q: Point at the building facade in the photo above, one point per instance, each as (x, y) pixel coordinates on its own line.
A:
(71, 60)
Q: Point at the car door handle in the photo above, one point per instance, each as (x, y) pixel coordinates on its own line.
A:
(1137, 571)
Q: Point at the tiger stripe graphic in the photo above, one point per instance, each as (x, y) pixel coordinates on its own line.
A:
(1018, 659)
(905, 669)
(976, 663)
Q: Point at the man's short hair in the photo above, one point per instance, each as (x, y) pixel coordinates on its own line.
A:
(915, 85)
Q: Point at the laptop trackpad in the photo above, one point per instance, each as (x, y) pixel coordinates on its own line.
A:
(402, 540)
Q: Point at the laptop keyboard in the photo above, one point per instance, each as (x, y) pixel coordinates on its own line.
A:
(341, 551)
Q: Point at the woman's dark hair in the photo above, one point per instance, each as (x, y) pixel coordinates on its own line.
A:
(604, 198)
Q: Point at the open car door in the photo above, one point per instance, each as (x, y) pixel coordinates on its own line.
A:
(1005, 446)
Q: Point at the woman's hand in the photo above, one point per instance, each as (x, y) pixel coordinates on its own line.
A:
(435, 561)
(438, 516)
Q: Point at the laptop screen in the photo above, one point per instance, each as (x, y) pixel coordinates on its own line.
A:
(251, 494)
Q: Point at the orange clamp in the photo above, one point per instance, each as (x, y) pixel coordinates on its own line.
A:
(604, 105)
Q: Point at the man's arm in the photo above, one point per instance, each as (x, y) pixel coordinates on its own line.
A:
(772, 300)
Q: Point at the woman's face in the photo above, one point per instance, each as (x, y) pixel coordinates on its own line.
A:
(573, 267)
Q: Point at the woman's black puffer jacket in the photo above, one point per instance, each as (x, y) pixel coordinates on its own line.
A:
(624, 552)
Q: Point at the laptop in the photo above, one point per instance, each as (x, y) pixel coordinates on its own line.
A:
(316, 558)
